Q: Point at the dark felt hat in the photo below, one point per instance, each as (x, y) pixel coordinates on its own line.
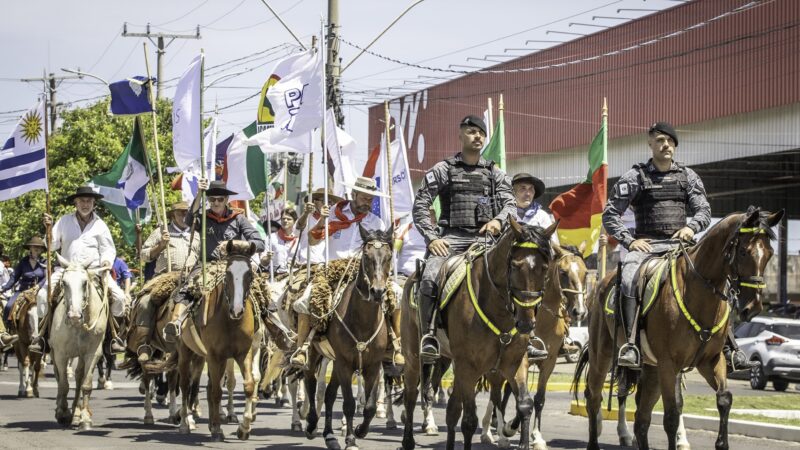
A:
(473, 121)
(538, 185)
(665, 128)
(84, 191)
(218, 188)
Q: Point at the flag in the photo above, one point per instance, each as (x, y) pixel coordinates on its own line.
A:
(22, 158)
(124, 186)
(131, 96)
(581, 208)
(192, 173)
(402, 191)
(341, 150)
(296, 98)
(186, 116)
(495, 150)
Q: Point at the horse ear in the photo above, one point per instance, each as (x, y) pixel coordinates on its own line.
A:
(388, 234)
(751, 217)
(362, 232)
(252, 248)
(775, 218)
(557, 250)
(229, 247)
(582, 247)
(62, 261)
(515, 225)
(552, 228)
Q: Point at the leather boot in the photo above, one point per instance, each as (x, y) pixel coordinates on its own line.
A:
(117, 343)
(139, 339)
(429, 345)
(735, 359)
(39, 343)
(172, 330)
(7, 340)
(397, 347)
(300, 356)
(629, 355)
(535, 353)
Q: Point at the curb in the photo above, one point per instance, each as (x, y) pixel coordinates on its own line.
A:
(740, 427)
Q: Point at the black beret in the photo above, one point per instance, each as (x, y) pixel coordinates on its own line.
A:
(664, 128)
(473, 121)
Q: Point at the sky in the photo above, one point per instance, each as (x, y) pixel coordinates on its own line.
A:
(40, 35)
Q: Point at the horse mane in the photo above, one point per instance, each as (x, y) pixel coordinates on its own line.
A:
(734, 220)
(536, 234)
(377, 235)
(239, 248)
(572, 250)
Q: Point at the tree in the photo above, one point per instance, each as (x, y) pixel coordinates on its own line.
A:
(87, 144)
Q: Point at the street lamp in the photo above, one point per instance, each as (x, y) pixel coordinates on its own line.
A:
(84, 74)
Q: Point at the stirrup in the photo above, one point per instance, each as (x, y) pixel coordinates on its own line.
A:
(172, 332)
(8, 339)
(295, 360)
(144, 353)
(37, 346)
(431, 354)
(397, 353)
(624, 362)
(535, 353)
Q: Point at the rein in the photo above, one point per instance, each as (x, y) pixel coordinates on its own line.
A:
(102, 291)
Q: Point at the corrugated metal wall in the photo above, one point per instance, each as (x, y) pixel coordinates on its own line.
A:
(740, 63)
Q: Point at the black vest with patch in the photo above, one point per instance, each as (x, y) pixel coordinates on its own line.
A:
(660, 207)
(469, 199)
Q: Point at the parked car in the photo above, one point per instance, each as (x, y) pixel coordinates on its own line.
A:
(773, 343)
(579, 336)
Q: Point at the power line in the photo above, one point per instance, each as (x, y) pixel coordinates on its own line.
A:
(184, 15)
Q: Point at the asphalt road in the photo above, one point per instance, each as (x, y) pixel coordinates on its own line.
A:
(30, 423)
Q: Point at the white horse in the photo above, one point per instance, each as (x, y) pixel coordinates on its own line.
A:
(77, 330)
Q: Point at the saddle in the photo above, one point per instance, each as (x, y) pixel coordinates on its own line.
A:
(454, 271)
(649, 280)
(25, 298)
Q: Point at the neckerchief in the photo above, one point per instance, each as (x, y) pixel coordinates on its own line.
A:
(337, 225)
(526, 214)
(228, 215)
(285, 237)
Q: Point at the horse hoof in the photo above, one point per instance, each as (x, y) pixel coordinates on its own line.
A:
(20, 394)
(76, 421)
(218, 437)
(85, 426)
(242, 435)
(431, 430)
(361, 431)
(231, 418)
(539, 445)
(285, 403)
(487, 439)
(161, 399)
(403, 417)
(36, 393)
(351, 447)
(380, 413)
(508, 431)
(685, 446)
(63, 420)
(108, 385)
(391, 424)
(297, 426)
(148, 420)
(627, 441)
(100, 383)
(311, 434)
(184, 429)
(332, 443)
(503, 443)
(174, 420)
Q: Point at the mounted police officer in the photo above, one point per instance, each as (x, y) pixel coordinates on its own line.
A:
(475, 198)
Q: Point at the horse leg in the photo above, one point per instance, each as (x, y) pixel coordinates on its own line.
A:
(372, 387)
(110, 366)
(330, 397)
(410, 394)
(545, 370)
(344, 375)
(294, 388)
(623, 432)
(455, 406)
(86, 412)
(715, 373)
(148, 400)
(312, 418)
(667, 376)
(80, 376)
(246, 367)
(216, 369)
(380, 412)
(101, 379)
(63, 415)
(495, 396)
(37, 372)
(388, 385)
(599, 364)
(646, 397)
(22, 367)
(428, 420)
(172, 379)
(230, 384)
(185, 379)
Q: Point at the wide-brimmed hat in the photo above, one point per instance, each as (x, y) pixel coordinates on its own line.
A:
(538, 185)
(274, 225)
(84, 191)
(319, 195)
(178, 206)
(366, 185)
(218, 188)
(36, 241)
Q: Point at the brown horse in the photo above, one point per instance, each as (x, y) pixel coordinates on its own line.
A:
(686, 325)
(221, 328)
(26, 325)
(487, 324)
(358, 336)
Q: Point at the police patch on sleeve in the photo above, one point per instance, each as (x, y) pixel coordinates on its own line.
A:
(624, 190)
(431, 178)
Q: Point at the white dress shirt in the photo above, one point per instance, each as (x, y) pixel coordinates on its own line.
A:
(93, 244)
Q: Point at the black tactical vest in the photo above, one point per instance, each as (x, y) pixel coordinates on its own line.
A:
(660, 207)
(468, 201)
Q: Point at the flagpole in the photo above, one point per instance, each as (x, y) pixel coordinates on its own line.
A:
(269, 221)
(500, 109)
(49, 229)
(163, 216)
(603, 246)
(387, 119)
(202, 174)
(138, 229)
(324, 134)
(490, 125)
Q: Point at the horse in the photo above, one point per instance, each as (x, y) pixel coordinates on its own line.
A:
(693, 309)
(487, 323)
(358, 323)
(26, 323)
(563, 302)
(77, 329)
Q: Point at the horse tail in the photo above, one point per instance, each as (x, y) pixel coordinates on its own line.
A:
(483, 385)
(628, 381)
(581, 370)
(156, 367)
(131, 365)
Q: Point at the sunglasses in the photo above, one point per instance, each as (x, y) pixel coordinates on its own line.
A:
(216, 199)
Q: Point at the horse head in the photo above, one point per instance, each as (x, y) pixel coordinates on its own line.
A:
(528, 263)
(570, 279)
(748, 254)
(376, 261)
(238, 276)
(76, 282)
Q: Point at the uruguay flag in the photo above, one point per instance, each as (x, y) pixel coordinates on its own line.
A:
(131, 96)
(22, 158)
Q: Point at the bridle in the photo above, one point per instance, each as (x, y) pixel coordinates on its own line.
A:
(102, 292)
(376, 244)
(562, 307)
(246, 294)
(517, 297)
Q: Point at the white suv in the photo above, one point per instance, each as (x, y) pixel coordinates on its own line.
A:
(774, 343)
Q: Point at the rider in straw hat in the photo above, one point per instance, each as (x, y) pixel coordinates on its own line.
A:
(29, 272)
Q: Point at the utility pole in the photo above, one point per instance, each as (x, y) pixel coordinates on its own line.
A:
(161, 47)
(51, 82)
(334, 63)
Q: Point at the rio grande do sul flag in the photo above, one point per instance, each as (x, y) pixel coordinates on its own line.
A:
(580, 209)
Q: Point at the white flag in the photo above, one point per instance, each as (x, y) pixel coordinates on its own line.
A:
(22, 157)
(300, 143)
(186, 120)
(402, 190)
(341, 148)
(296, 98)
(191, 173)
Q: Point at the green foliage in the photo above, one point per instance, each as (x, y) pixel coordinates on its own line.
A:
(87, 144)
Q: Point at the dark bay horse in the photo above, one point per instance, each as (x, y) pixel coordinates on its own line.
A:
(358, 334)
(487, 323)
(686, 325)
(26, 325)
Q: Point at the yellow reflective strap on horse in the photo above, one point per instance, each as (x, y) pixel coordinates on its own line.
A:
(754, 285)
(752, 230)
(530, 304)
(682, 306)
(477, 307)
(526, 245)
